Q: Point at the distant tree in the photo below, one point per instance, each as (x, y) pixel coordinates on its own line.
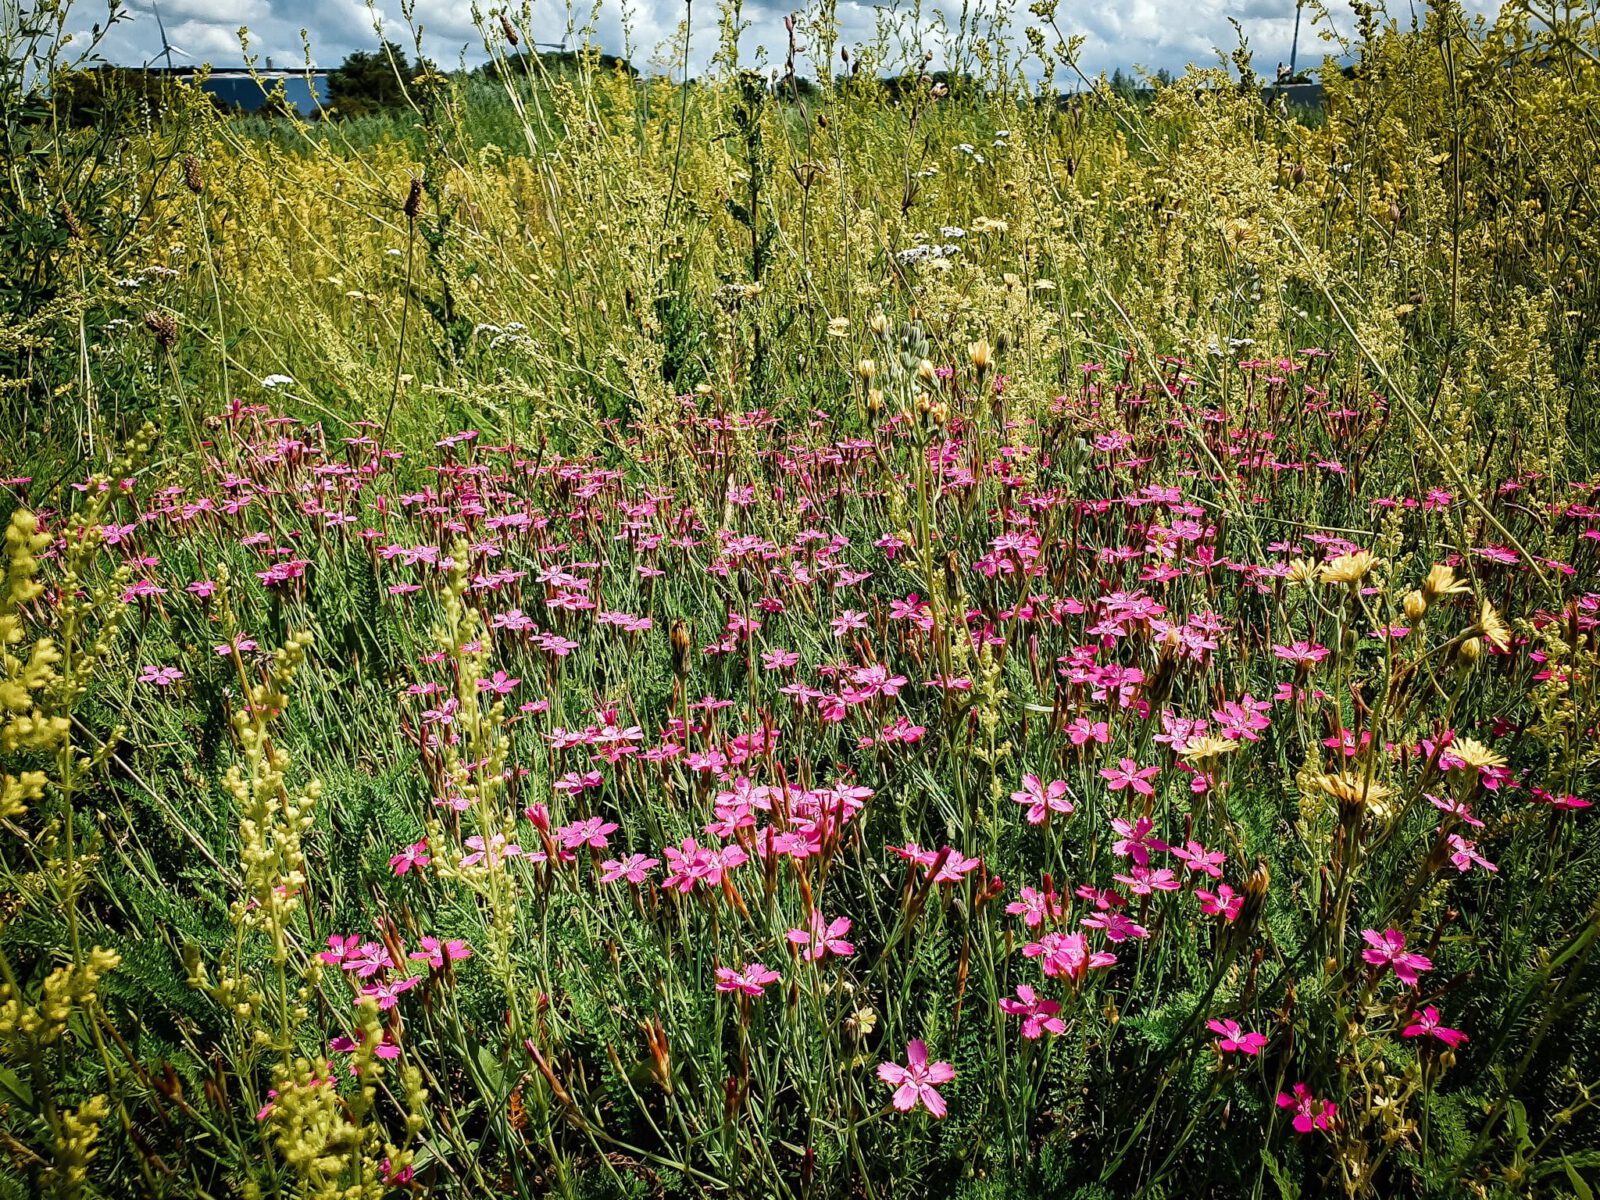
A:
(370, 81)
(517, 63)
(1164, 77)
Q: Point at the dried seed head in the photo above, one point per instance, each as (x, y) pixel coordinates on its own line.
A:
(164, 325)
(1255, 897)
(413, 204)
(505, 25)
(70, 220)
(681, 644)
(192, 175)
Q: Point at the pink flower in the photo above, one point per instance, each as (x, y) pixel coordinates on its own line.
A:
(415, 855)
(751, 980)
(1128, 773)
(1068, 955)
(917, 1081)
(1464, 854)
(1038, 1015)
(847, 620)
(823, 937)
(1042, 799)
(160, 676)
(1135, 841)
(1224, 902)
(592, 831)
(388, 993)
(1035, 906)
(492, 853)
(1309, 1112)
(436, 953)
(1389, 949)
(1197, 858)
(1083, 730)
(634, 868)
(1427, 1023)
(1235, 1039)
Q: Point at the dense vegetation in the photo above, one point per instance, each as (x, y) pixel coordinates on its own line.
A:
(976, 637)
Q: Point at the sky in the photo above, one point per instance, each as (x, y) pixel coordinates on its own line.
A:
(1149, 34)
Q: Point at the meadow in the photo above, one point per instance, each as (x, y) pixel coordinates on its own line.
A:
(835, 630)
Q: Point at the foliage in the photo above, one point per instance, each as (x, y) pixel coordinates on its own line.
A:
(583, 633)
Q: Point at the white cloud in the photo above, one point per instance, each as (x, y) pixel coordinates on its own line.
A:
(1118, 33)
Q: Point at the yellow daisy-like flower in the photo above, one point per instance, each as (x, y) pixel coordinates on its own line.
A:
(1302, 571)
(1493, 629)
(1353, 791)
(1475, 754)
(1442, 581)
(1348, 568)
(1207, 749)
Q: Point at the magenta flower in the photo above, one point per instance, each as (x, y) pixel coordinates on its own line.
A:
(1068, 955)
(1134, 840)
(1197, 858)
(592, 831)
(1082, 730)
(1464, 854)
(1389, 949)
(413, 856)
(917, 1081)
(634, 868)
(436, 953)
(1236, 1040)
(1427, 1024)
(822, 937)
(1309, 1112)
(160, 676)
(388, 992)
(848, 620)
(751, 980)
(1224, 902)
(1128, 773)
(1041, 799)
(1038, 1015)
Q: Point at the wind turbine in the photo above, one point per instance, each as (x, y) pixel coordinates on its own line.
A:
(166, 47)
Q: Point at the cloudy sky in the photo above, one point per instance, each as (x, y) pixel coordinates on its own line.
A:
(1118, 33)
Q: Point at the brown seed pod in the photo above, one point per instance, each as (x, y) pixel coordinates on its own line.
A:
(164, 325)
(192, 175)
(505, 25)
(413, 204)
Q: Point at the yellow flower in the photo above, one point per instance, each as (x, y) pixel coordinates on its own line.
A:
(1354, 792)
(1348, 568)
(1475, 754)
(1442, 581)
(1302, 571)
(1207, 748)
(1494, 630)
(839, 327)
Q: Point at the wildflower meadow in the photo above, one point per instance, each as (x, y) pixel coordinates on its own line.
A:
(839, 623)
